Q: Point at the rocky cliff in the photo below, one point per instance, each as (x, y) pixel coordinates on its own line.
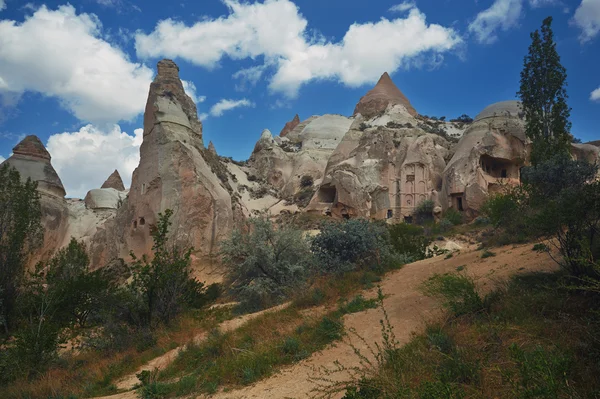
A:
(383, 94)
(33, 161)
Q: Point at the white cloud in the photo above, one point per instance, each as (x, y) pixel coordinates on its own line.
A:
(249, 77)
(84, 159)
(226, 105)
(543, 3)
(404, 6)
(61, 54)
(587, 18)
(503, 14)
(276, 31)
(2, 5)
(595, 95)
(2, 159)
(190, 89)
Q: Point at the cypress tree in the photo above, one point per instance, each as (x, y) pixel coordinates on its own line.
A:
(544, 96)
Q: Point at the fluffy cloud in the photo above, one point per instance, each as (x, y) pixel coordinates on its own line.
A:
(84, 159)
(190, 89)
(61, 54)
(248, 77)
(587, 18)
(299, 56)
(2, 159)
(2, 5)
(404, 6)
(595, 95)
(503, 14)
(227, 105)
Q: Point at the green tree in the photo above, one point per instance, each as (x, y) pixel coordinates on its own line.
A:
(20, 232)
(544, 96)
(164, 285)
(80, 291)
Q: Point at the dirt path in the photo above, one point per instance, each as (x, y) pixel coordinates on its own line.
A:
(128, 382)
(407, 308)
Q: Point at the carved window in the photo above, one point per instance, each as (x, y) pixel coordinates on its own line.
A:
(142, 221)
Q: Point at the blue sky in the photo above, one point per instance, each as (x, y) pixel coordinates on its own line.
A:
(76, 74)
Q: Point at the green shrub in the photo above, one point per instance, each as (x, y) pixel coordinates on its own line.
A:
(487, 254)
(352, 244)
(453, 216)
(358, 304)
(329, 330)
(266, 263)
(482, 221)
(424, 211)
(457, 292)
(409, 240)
(540, 247)
(439, 390)
(445, 225)
(541, 374)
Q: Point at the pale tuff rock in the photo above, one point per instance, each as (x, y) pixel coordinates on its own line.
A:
(381, 172)
(487, 158)
(104, 198)
(384, 93)
(33, 161)
(290, 126)
(211, 148)
(114, 181)
(174, 174)
(283, 162)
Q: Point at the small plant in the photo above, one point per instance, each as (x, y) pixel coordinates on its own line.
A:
(487, 254)
(540, 247)
(363, 126)
(306, 181)
(482, 221)
(358, 304)
(453, 216)
(457, 292)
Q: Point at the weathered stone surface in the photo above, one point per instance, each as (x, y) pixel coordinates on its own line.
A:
(487, 158)
(174, 174)
(33, 161)
(383, 94)
(302, 154)
(381, 172)
(587, 152)
(104, 198)
(289, 126)
(114, 181)
(211, 148)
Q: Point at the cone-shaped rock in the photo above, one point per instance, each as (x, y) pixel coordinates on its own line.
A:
(290, 126)
(211, 148)
(383, 94)
(114, 181)
(175, 173)
(32, 160)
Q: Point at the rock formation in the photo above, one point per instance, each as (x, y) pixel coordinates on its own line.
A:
(290, 126)
(33, 161)
(284, 162)
(174, 174)
(487, 158)
(382, 172)
(211, 148)
(383, 94)
(114, 181)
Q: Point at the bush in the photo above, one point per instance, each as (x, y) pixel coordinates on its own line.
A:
(409, 240)
(487, 254)
(445, 225)
(457, 291)
(160, 289)
(352, 244)
(424, 211)
(306, 181)
(266, 263)
(453, 216)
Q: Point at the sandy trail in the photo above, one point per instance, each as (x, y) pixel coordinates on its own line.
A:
(408, 310)
(128, 382)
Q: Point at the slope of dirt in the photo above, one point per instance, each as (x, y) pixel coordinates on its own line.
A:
(130, 381)
(408, 310)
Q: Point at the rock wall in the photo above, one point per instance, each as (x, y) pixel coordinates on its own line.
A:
(487, 158)
(174, 174)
